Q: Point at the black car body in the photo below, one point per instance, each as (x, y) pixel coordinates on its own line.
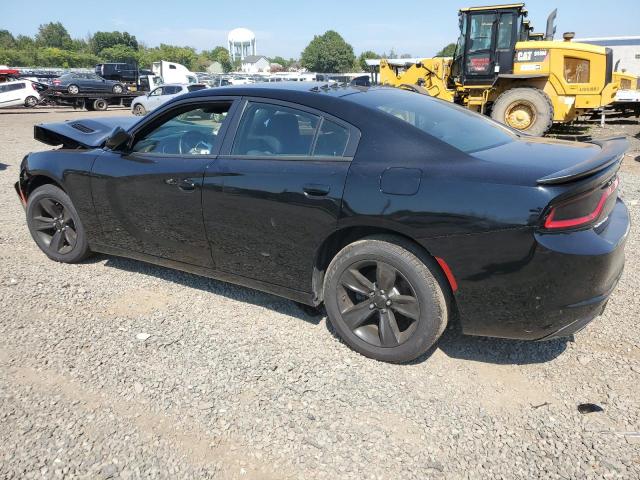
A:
(525, 235)
(80, 83)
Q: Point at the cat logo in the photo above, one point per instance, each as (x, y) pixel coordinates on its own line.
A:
(531, 55)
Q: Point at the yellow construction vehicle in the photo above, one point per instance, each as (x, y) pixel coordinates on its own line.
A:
(523, 79)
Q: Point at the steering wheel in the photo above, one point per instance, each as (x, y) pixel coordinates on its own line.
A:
(190, 140)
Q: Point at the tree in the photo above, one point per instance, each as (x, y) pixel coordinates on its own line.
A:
(53, 35)
(362, 59)
(185, 55)
(447, 51)
(328, 53)
(6, 39)
(119, 53)
(280, 61)
(24, 42)
(101, 40)
(221, 55)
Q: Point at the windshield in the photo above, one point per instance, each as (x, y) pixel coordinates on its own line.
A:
(449, 123)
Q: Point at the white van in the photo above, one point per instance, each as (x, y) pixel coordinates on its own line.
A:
(18, 92)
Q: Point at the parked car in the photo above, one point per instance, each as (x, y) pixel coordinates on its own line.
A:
(19, 92)
(392, 209)
(158, 96)
(120, 72)
(75, 83)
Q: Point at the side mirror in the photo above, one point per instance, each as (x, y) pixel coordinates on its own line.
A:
(118, 139)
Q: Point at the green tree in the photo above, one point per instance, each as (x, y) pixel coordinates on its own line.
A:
(221, 55)
(364, 56)
(6, 39)
(119, 53)
(280, 60)
(24, 42)
(187, 56)
(101, 40)
(447, 51)
(53, 35)
(328, 53)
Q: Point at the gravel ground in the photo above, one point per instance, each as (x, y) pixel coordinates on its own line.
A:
(118, 369)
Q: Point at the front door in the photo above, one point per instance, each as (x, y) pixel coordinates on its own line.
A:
(275, 194)
(149, 198)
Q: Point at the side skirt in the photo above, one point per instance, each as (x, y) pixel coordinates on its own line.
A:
(295, 295)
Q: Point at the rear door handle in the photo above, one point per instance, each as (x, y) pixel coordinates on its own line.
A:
(185, 184)
(316, 190)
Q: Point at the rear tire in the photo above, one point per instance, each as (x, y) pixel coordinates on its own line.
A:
(526, 109)
(55, 225)
(73, 89)
(30, 101)
(100, 104)
(384, 299)
(117, 89)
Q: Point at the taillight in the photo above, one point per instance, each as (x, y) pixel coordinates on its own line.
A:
(583, 210)
(33, 85)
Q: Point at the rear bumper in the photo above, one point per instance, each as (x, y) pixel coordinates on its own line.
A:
(543, 285)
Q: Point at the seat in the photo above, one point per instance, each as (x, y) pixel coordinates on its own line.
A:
(285, 128)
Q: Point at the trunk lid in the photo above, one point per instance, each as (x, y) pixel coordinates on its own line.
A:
(85, 133)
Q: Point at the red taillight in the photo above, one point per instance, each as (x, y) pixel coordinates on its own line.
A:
(581, 211)
(33, 85)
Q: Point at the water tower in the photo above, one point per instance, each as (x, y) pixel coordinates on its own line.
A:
(242, 42)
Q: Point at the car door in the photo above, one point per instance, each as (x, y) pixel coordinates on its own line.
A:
(153, 99)
(275, 192)
(11, 94)
(148, 196)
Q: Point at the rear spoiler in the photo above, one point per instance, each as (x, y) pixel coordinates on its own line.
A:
(612, 151)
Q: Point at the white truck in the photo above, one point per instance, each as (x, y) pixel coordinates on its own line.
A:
(172, 72)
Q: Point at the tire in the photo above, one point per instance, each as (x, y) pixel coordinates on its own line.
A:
(526, 109)
(100, 104)
(139, 110)
(117, 89)
(30, 101)
(73, 89)
(49, 211)
(418, 323)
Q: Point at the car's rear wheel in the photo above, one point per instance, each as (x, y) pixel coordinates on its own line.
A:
(73, 89)
(30, 101)
(139, 110)
(117, 89)
(384, 299)
(55, 225)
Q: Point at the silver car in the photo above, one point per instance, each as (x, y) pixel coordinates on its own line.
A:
(160, 95)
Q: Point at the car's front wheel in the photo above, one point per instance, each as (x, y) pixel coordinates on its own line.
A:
(55, 225)
(384, 299)
(139, 110)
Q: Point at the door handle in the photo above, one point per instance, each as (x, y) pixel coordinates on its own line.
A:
(316, 190)
(185, 184)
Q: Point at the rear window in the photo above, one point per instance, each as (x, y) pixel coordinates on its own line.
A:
(449, 123)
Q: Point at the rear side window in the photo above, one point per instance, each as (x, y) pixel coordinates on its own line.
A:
(15, 86)
(332, 140)
(449, 123)
(273, 130)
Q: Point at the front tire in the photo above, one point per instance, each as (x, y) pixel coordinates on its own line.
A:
(139, 110)
(526, 109)
(384, 299)
(55, 225)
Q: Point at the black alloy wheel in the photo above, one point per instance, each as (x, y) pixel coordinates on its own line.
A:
(386, 298)
(377, 303)
(55, 226)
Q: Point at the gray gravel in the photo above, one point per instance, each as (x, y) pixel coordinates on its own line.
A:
(118, 369)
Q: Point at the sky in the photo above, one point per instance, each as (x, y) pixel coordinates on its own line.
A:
(285, 27)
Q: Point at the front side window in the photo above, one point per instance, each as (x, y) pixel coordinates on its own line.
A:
(156, 92)
(576, 70)
(505, 31)
(271, 130)
(191, 131)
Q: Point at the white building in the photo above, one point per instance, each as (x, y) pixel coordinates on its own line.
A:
(242, 43)
(255, 64)
(626, 50)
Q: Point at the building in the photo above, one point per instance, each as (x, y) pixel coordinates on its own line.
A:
(255, 64)
(242, 43)
(626, 51)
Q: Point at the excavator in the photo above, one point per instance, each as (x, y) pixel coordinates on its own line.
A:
(526, 80)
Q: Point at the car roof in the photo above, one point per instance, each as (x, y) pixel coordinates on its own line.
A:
(278, 89)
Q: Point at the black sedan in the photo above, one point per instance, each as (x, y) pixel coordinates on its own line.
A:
(78, 83)
(396, 211)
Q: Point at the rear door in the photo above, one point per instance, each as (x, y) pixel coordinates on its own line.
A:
(275, 193)
(12, 94)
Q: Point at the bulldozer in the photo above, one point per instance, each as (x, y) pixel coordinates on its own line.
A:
(525, 80)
